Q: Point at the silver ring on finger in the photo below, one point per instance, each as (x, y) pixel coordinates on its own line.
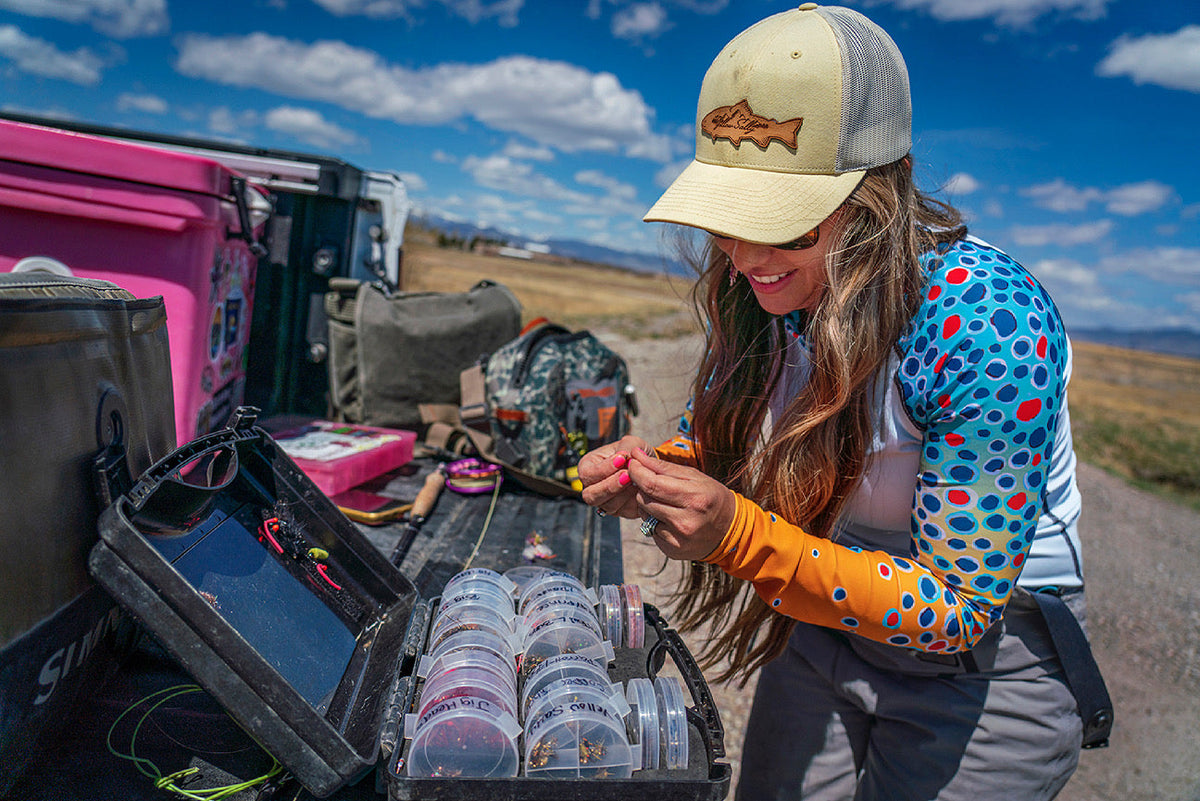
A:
(649, 524)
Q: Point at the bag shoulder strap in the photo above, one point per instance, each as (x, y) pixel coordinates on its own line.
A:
(1082, 673)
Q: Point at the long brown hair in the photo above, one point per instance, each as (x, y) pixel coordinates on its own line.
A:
(816, 451)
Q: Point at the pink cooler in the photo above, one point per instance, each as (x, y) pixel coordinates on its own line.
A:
(154, 222)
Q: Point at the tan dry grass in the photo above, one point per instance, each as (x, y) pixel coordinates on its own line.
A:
(575, 294)
(1137, 415)
(1145, 385)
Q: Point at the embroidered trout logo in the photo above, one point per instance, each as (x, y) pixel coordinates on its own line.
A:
(738, 122)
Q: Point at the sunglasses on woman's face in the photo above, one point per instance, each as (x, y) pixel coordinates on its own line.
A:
(803, 243)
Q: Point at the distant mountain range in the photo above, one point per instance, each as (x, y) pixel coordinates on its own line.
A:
(566, 248)
(1171, 341)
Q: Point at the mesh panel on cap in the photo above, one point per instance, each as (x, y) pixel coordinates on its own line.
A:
(876, 108)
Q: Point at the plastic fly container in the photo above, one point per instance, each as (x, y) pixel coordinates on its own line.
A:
(480, 591)
(310, 639)
(472, 619)
(561, 666)
(564, 635)
(475, 574)
(612, 618)
(476, 681)
(634, 616)
(463, 737)
(561, 605)
(522, 575)
(643, 720)
(477, 640)
(568, 691)
(581, 740)
(432, 667)
(672, 722)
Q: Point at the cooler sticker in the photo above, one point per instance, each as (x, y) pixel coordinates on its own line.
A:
(216, 335)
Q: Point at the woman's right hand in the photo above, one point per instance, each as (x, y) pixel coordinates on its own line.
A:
(606, 482)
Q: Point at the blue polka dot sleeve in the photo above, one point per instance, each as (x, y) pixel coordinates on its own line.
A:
(982, 374)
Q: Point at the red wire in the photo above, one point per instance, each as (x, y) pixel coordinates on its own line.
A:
(266, 532)
(321, 569)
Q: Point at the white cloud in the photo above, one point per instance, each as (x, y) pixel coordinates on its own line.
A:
(505, 11)
(414, 182)
(39, 57)
(1061, 235)
(1128, 200)
(1171, 266)
(1106, 293)
(1066, 272)
(1010, 13)
(150, 104)
(502, 173)
(1058, 195)
(640, 21)
(442, 157)
(703, 6)
(309, 126)
(525, 184)
(611, 186)
(121, 19)
(961, 183)
(226, 122)
(669, 172)
(1131, 200)
(550, 102)
(519, 150)
(1192, 301)
(1170, 59)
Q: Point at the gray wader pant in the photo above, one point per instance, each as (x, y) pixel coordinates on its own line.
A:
(837, 716)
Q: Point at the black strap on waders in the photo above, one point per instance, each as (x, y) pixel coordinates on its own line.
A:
(1082, 673)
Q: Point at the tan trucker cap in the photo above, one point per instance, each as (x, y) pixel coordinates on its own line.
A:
(791, 114)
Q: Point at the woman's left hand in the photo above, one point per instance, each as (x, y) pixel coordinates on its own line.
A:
(694, 511)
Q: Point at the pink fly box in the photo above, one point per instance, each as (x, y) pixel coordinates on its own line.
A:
(338, 456)
(154, 222)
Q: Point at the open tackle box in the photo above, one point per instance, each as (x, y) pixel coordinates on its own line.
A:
(307, 635)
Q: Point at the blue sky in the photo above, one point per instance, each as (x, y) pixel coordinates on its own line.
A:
(1067, 130)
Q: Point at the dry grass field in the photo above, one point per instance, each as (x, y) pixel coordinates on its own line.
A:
(1137, 415)
(577, 295)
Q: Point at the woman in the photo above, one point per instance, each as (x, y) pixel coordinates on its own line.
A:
(875, 468)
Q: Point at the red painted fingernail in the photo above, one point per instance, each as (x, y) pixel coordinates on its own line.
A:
(619, 461)
(623, 479)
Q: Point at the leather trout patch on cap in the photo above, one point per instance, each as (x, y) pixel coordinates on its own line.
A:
(739, 122)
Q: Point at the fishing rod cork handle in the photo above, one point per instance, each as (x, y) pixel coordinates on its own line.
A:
(426, 499)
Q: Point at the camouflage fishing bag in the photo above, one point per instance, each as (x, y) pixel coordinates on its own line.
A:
(539, 402)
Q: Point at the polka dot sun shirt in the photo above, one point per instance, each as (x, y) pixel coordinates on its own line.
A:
(981, 373)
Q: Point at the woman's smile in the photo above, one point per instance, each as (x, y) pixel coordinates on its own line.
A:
(782, 280)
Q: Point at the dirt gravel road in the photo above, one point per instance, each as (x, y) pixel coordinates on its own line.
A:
(1142, 561)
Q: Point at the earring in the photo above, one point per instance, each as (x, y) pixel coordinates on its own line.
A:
(733, 274)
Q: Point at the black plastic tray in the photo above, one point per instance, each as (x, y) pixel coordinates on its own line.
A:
(296, 635)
